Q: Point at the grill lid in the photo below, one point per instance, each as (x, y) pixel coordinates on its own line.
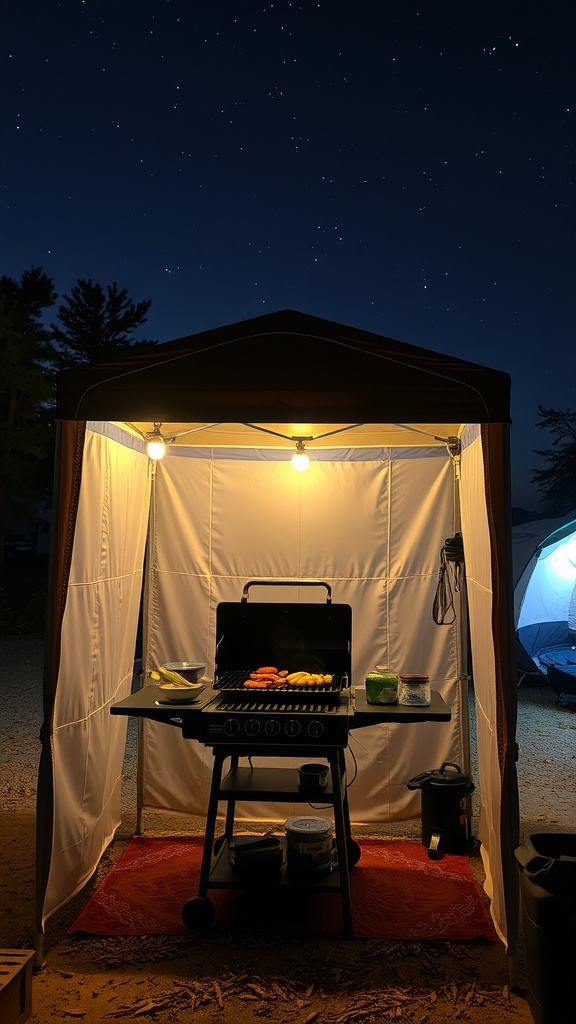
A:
(307, 637)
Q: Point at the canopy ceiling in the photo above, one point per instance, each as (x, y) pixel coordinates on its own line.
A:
(281, 435)
(286, 367)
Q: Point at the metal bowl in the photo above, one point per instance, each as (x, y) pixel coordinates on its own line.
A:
(191, 670)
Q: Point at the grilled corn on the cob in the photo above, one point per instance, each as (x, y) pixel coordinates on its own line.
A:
(166, 675)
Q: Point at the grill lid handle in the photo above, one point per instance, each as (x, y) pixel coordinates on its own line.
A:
(287, 583)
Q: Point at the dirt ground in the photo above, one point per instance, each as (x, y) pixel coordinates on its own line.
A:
(237, 977)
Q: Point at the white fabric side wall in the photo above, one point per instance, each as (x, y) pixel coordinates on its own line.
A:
(96, 670)
(480, 598)
(372, 527)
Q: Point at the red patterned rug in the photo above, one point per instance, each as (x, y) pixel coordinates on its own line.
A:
(397, 892)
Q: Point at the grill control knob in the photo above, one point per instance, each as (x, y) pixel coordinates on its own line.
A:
(272, 727)
(252, 727)
(231, 727)
(293, 727)
(315, 729)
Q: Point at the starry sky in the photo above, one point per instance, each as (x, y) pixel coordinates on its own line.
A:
(403, 167)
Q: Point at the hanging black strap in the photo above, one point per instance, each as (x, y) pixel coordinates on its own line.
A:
(443, 610)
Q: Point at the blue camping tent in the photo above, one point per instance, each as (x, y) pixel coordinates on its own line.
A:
(545, 602)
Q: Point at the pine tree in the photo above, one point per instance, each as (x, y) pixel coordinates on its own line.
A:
(95, 324)
(26, 390)
(557, 482)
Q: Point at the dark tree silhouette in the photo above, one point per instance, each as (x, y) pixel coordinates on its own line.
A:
(95, 324)
(557, 482)
(26, 391)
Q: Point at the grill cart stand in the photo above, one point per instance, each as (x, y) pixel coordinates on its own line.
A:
(280, 785)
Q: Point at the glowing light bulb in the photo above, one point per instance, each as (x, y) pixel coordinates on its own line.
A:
(156, 448)
(300, 460)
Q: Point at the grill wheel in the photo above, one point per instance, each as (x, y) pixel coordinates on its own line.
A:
(198, 913)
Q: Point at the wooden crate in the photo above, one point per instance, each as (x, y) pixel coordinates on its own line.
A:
(15, 985)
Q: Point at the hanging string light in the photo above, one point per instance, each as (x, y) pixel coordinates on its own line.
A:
(300, 459)
(156, 447)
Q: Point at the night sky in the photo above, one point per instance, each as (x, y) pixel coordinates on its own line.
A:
(405, 168)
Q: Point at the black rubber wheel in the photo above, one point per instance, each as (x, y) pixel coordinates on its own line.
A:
(198, 913)
(354, 852)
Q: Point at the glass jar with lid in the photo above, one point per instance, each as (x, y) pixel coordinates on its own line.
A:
(414, 689)
(381, 686)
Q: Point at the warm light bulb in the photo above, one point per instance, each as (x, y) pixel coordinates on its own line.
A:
(156, 448)
(300, 460)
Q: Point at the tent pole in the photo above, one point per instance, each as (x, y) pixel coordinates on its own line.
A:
(464, 676)
(141, 733)
(139, 776)
(455, 449)
(464, 688)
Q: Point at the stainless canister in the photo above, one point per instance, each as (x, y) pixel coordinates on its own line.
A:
(309, 846)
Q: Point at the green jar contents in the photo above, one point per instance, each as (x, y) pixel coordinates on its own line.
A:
(381, 686)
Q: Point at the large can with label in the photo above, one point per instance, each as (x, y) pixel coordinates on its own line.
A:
(310, 848)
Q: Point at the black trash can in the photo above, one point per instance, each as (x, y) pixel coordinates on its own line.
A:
(547, 863)
(445, 822)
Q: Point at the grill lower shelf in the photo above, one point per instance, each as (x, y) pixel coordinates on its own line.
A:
(275, 784)
(222, 876)
(278, 784)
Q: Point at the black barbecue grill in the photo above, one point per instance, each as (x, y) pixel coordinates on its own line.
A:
(282, 721)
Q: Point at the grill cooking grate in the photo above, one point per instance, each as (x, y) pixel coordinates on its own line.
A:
(276, 707)
(232, 682)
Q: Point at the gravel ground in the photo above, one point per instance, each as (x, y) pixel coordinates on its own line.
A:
(469, 981)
